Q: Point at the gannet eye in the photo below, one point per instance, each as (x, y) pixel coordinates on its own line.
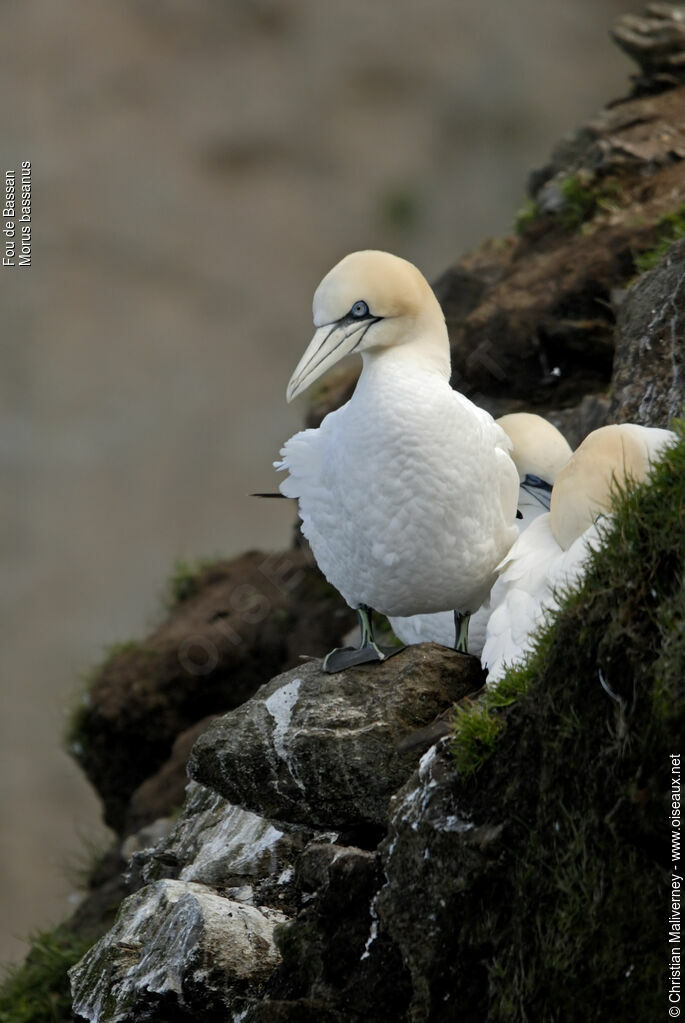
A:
(359, 310)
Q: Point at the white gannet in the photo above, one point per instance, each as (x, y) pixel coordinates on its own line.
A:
(407, 494)
(554, 550)
(539, 452)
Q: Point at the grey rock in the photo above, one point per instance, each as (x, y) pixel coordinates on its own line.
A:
(221, 845)
(577, 422)
(334, 955)
(447, 854)
(323, 750)
(649, 376)
(176, 949)
(655, 40)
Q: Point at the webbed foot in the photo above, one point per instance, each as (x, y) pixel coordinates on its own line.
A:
(347, 656)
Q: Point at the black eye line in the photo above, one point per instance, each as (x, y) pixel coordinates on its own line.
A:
(371, 321)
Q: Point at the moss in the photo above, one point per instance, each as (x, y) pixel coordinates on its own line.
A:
(38, 990)
(526, 216)
(579, 772)
(669, 230)
(581, 198)
(78, 715)
(185, 580)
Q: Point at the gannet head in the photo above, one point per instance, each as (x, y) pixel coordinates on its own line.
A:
(539, 452)
(369, 301)
(608, 456)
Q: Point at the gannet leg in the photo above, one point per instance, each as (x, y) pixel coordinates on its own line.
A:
(368, 650)
(461, 629)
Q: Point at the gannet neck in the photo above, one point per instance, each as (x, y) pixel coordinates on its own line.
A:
(426, 350)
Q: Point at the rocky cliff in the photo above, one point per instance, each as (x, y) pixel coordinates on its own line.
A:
(351, 847)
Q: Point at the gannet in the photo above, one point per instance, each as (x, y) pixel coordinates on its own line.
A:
(553, 552)
(407, 493)
(539, 452)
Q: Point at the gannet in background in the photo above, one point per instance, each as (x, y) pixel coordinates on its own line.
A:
(554, 550)
(539, 453)
(407, 493)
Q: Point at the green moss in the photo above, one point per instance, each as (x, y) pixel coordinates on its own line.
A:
(184, 581)
(670, 229)
(476, 729)
(527, 215)
(80, 710)
(580, 202)
(581, 199)
(38, 990)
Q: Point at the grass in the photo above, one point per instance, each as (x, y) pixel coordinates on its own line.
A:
(38, 990)
(670, 229)
(184, 581)
(581, 199)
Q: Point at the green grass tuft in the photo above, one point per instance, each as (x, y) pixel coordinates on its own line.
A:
(526, 215)
(670, 229)
(183, 583)
(37, 991)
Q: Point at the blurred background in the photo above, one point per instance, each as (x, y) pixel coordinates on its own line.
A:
(198, 165)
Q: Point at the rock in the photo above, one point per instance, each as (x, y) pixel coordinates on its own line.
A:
(323, 750)
(333, 952)
(577, 422)
(177, 950)
(649, 366)
(222, 846)
(656, 41)
(235, 625)
(449, 855)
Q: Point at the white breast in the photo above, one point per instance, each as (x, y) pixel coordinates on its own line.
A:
(407, 494)
(440, 627)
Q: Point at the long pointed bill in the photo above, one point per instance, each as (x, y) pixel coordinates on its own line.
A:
(538, 489)
(329, 345)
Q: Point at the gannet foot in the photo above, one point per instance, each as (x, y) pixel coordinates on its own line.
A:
(461, 626)
(348, 656)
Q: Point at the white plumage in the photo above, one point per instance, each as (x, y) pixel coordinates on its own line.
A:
(407, 493)
(539, 452)
(552, 554)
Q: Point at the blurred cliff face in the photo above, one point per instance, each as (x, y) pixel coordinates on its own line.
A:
(197, 168)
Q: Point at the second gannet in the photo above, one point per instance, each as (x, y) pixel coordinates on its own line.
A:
(407, 493)
(553, 552)
(539, 452)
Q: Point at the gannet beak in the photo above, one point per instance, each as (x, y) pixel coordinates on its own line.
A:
(538, 489)
(329, 345)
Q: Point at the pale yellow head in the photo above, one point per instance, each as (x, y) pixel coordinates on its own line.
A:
(371, 301)
(608, 456)
(539, 449)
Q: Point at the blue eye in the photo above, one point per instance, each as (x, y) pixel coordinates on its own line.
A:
(359, 310)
